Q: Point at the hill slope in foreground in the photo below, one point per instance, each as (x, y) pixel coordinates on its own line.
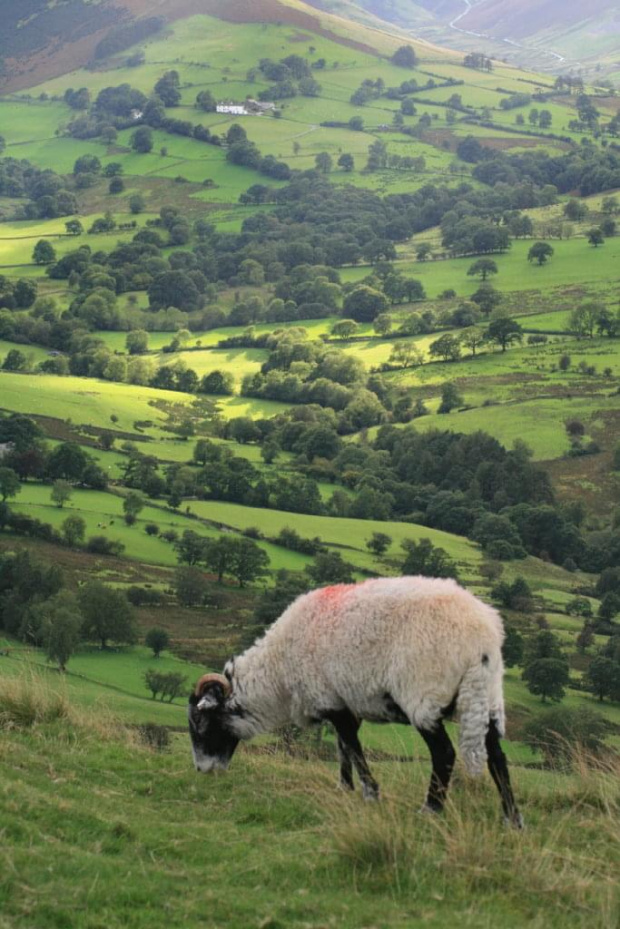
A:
(99, 830)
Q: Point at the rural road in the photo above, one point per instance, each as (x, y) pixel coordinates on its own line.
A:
(483, 35)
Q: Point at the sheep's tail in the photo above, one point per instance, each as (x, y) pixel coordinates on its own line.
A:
(473, 704)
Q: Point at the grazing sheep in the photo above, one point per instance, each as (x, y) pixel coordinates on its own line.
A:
(406, 650)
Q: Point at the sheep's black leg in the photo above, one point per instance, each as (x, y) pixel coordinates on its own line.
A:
(442, 756)
(347, 726)
(498, 767)
(346, 766)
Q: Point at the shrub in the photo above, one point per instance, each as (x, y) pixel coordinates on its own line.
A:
(155, 737)
(560, 733)
(100, 545)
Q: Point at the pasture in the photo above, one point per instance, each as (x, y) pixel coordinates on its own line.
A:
(313, 854)
(574, 262)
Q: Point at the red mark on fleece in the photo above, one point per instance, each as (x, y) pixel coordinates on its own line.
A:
(331, 595)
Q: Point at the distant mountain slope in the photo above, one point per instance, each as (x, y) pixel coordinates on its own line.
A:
(555, 33)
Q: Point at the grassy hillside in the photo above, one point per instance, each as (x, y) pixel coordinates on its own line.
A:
(167, 840)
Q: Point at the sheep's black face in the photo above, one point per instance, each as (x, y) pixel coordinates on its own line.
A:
(213, 742)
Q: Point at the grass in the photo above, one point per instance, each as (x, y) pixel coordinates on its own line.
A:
(99, 830)
(103, 515)
(87, 401)
(574, 262)
(348, 534)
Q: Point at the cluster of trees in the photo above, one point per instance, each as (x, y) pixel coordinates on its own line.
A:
(29, 457)
(165, 684)
(46, 192)
(240, 151)
(290, 76)
(224, 556)
(37, 608)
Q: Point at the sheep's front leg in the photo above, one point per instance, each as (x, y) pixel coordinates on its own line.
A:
(443, 757)
(347, 727)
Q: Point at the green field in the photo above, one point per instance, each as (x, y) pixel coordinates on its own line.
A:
(574, 262)
(143, 823)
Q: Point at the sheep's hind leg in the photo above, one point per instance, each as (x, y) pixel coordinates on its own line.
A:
(498, 768)
(346, 766)
(347, 726)
(443, 757)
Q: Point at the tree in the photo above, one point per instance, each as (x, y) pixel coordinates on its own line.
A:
(158, 640)
(218, 382)
(67, 462)
(190, 585)
(472, 338)
(447, 347)
(512, 647)
(364, 303)
(547, 678)
(218, 555)
(585, 638)
(603, 678)
(62, 491)
(60, 627)
(323, 162)
(487, 298)
(346, 162)
(406, 355)
(504, 331)
(344, 328)
(540, 252)
(583, 319)
(450, 398)
(596, 237)
(610, 605)
(559, 732)
(330, 568)
(43, 253)
(142, 140)
(206, 101)
(74, 530)
(378, 543)
(425, 558)
(106, 614)
(116, 185)
(133, 504)
(10, 484)
(14, 361)
(482, 268)
(382, 324)
(137, 342)
(137, 203)
(404, 57)
(249, 562)
(74, 227)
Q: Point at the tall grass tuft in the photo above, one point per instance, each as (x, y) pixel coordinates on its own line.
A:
(30, 700)
(467, 853)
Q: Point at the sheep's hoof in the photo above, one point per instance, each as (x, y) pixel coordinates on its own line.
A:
(429, 810)
(370, 793)
(515, 821)
(346, 786)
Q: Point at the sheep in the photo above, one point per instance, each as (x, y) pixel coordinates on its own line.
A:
(407, 650)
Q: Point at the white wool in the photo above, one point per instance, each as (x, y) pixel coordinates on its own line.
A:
(419, 640)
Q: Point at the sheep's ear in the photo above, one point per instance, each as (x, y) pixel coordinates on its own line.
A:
(211, 691)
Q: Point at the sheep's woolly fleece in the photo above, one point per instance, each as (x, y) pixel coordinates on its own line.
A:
(420, 640)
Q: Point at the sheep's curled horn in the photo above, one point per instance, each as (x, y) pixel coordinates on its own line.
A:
(208, 679)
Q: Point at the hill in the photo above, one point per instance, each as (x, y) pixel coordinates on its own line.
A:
(549, 35)
(273, 842)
